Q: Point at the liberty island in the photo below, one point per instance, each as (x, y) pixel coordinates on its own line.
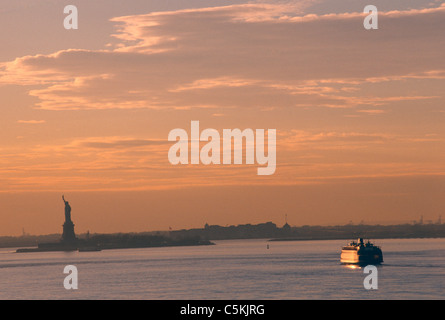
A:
(70, 242)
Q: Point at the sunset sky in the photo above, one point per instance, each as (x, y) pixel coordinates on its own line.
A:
(86, 113)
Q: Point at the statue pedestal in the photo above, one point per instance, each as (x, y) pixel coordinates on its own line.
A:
(68, 235)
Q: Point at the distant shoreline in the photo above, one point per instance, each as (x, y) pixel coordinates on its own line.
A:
(110, 247)
(328, 239)
(266, 230)
(100, 242)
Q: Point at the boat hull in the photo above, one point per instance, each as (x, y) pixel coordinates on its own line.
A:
(365, 258)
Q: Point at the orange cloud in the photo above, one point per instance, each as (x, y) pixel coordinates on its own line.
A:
(31, 121)
(169, 60)
(257, 57)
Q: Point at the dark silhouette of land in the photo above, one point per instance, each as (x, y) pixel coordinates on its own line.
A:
(203, 236)
(349, 231)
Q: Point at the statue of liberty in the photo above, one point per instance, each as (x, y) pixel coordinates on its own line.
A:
(67, 209)
(68, 236)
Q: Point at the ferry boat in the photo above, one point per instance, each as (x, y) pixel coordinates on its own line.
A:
(361, 253)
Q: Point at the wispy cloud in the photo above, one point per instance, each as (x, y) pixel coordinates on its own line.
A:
(169, 60)
(372, 111)
(261, 57)
(31, 121)
(121, 143)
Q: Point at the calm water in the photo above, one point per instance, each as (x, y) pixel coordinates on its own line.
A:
(232, 269)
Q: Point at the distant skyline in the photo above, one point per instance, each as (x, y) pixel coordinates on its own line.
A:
(359, 114)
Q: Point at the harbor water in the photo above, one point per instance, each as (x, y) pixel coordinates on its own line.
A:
(231, 269)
